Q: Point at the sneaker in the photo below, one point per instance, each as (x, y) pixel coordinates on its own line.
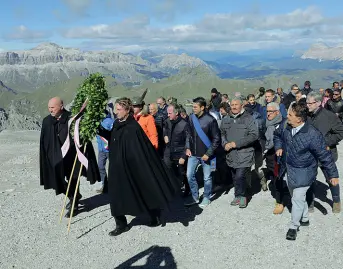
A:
(243, 202)
(191, 201)
(336, 207)
(235, 201)
(205, 202)
(278, 209)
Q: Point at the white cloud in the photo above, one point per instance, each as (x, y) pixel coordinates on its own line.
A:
(25, 34)
(217, 31)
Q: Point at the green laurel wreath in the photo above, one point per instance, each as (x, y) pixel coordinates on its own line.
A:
(94, 89)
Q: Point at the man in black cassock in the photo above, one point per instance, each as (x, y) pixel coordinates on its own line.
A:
(54, 170)
(138, 180)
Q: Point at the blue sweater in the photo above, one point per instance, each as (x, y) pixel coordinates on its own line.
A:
(301, 154)
(107, 125)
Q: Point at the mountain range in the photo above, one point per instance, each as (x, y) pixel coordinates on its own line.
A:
(35, 75)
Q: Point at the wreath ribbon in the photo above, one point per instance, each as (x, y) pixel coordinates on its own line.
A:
(66, 145)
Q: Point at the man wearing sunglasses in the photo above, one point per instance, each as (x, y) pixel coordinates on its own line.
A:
(336, 104)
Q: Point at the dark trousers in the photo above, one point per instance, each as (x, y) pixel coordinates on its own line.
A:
(282, 195)
(121, 221)
(239, 176)
(179, 171)
(102, 159)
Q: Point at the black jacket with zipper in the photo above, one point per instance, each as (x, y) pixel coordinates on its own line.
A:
(210, 127)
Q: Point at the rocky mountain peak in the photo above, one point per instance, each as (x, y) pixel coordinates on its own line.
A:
(324, 52)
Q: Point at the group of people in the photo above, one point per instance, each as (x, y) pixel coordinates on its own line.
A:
(155, 151)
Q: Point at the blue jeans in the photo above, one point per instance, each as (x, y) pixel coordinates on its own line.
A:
(102, 159)
(191, 169)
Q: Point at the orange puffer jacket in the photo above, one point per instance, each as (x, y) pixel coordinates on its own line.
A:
(147, 122)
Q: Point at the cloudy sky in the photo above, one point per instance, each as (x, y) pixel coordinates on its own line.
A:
(201, 25)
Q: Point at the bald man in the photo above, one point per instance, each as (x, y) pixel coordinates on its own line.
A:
(54, 170)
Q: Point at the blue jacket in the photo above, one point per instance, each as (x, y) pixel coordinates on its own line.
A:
(106, 125)
(301, 154)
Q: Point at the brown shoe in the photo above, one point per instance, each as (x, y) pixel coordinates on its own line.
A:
(336, 207)
(278, 209)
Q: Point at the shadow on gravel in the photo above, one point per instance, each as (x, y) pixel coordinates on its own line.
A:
(321, 190)
(94, 202)
(176, 212)
(91, 229)
(156, 257)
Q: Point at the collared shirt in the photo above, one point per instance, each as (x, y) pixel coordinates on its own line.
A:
(297, 129)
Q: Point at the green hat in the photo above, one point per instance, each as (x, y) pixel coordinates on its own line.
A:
(139, 100)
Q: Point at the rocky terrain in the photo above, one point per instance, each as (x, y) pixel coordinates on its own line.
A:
(220, 236)
(49, 63)
(323, 52)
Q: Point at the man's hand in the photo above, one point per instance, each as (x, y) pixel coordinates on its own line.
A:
(279, 152)
(230, 145)
(166, 139)
(334, 181)
(188, 153)
(205, 158)
(181, 161)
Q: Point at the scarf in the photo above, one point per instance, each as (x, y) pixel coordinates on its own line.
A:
(272, 123)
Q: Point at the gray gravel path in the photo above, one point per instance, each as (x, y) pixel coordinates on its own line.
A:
(221, 236)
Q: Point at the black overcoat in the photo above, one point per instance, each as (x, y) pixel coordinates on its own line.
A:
(138, 180)
(55, 170)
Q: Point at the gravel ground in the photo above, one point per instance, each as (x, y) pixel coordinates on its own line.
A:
(221, 236)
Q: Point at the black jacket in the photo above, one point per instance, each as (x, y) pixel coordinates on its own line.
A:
(288, 100)
(336, 106)
(329, 125)
(177, 132)
(306, 91)
(215, 102)
(210, 126)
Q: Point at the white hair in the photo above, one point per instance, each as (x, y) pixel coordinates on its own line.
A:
(275, 105)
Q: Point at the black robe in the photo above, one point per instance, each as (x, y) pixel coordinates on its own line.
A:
(54, 168)
(138, 180)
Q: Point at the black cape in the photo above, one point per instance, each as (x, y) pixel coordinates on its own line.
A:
(55, 170)
(138, 180)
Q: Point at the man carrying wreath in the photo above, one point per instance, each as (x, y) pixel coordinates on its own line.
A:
(54, 169)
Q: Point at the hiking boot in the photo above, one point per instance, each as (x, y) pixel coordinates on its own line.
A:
(336, 208)
(264, 185)
(291, 234)
(235, 201)
(205, 202)
(191, 201)
(278, 209)
(243, 202)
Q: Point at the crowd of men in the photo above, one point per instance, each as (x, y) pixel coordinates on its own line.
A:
(155, 151)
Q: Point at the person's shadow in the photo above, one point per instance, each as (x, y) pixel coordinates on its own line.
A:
(175, 212)
(157, 257)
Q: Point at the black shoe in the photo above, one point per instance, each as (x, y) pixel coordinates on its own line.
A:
(76, 211)
(78, 198)
(305, 223)
(118, 231)
(291, 234)
(155, 222)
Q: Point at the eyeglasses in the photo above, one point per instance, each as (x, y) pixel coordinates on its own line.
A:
(311, 103)
(271, 111)
(336, 94)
